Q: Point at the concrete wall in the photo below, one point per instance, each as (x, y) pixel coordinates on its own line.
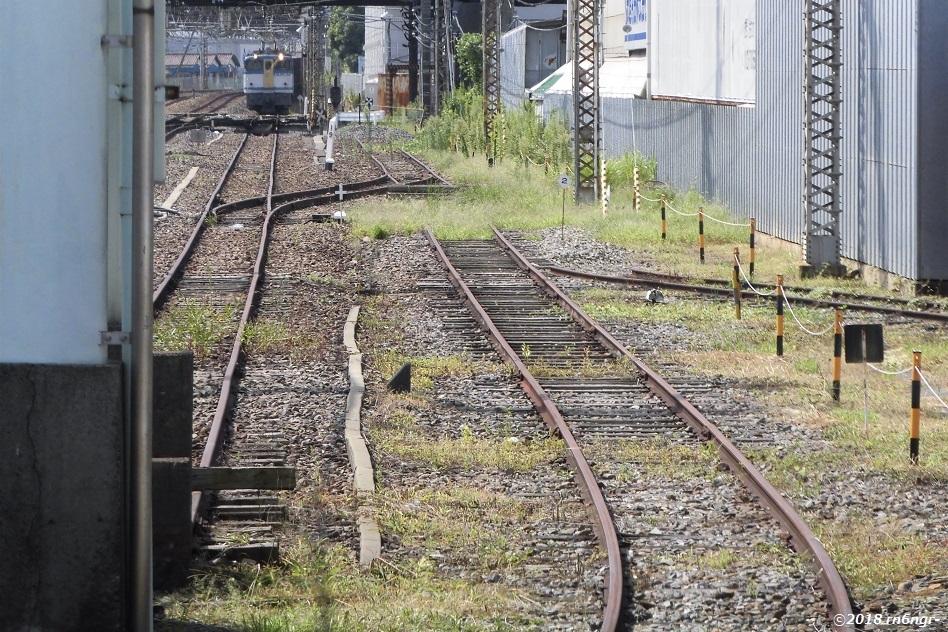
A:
(62, 502)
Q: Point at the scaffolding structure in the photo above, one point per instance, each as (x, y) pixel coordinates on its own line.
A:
(822, 135)
(587, 124)
(491, 59)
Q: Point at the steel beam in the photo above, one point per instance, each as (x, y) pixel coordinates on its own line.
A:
(822, 135)
(491, 59)
(587, 125)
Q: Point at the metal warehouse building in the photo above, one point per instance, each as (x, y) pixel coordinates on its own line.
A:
(724, 113)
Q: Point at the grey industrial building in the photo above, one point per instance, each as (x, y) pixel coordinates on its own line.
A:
(748, 153)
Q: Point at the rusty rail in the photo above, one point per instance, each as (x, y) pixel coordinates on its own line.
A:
(805, 542)
(603, 525)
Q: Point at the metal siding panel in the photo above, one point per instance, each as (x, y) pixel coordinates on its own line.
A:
(879, 108)
(932, 167)
(751, 158)
(513, 61)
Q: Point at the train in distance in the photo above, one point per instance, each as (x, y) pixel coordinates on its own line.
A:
(269, 81)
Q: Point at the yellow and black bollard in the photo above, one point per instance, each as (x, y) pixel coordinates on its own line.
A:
(779, 314)
(916, 406)
(664, 224)
(701, 233)
(837, 352)
(635, 188)
(753, 230)
(737, 283)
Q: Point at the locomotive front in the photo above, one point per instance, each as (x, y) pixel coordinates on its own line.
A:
(268, 82)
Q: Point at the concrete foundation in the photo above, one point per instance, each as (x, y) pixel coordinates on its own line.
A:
(171, 469)
(62, 497)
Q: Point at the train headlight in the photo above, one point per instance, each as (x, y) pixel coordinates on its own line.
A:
(280, 56)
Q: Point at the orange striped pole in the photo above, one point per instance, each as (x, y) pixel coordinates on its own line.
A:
(779, 314)
(916, 406)
(737, 284)
(753, 231)
(837, 352)
(664, 223)
(701, 233)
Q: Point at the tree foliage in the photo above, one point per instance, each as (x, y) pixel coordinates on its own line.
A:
(469, 54)
(347, 36)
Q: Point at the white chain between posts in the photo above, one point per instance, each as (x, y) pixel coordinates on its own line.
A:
(802, 326)
(940, 400)
(751, 285)
(674, 210)
(920, 374)
(878, 370)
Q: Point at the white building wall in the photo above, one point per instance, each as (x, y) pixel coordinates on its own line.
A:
(53, 182)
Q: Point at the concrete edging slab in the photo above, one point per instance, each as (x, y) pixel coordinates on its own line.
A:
(370, 540)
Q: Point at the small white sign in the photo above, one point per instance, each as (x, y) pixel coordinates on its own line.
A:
(564, 181)
(368, 102)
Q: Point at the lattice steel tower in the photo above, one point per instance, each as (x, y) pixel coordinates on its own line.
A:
(822, 136)
(587, 126)
(491, 31)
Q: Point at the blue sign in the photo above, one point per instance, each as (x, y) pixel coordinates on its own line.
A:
(636, 19)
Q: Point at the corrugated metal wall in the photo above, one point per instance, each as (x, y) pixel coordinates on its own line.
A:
(513, 63)
(751, 158)
(880, 134)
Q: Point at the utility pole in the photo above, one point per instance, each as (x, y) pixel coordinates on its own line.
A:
(822, 138)
(587, 125)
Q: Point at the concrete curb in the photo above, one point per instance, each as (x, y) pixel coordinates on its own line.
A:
(370, 540)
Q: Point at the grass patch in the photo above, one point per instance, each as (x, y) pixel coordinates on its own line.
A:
(465, 525)
(276, 337)
(872, 556)
(190, 325)
(424, 371)
(320, 589)
(398, 437)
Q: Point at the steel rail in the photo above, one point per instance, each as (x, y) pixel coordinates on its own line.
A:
(226, 401)
(805, 542)
(420, 163)
(164, 288)
(703, 289)
(389, 176)
(603, 524)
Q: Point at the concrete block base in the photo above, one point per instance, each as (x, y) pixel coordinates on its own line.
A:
(62, 497)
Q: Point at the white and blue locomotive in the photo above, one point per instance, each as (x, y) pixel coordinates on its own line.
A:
(268, 81)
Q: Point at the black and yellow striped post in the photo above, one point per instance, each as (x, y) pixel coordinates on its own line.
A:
(737, 283)
(701, 233)
(779, 314)
(916, 406)
(664, 223)
(635, 188)
(753, 231)
(837, 352)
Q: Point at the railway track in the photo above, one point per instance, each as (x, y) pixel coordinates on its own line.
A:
(221, 274)
(198, 116)
(619, 401)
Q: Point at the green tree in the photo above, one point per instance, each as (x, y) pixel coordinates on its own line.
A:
(347, 36)
(469, 54)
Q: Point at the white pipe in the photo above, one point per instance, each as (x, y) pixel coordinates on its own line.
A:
(143, 170)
